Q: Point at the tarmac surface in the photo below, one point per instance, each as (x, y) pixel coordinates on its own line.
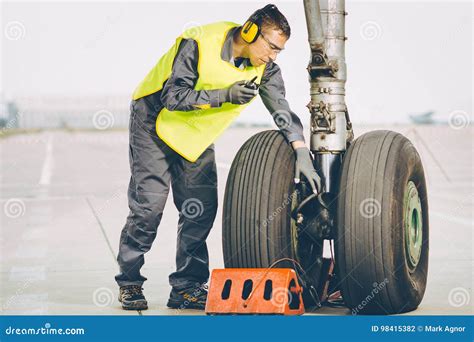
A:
(64, 204)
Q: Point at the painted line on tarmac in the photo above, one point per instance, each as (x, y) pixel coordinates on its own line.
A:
(26, 304)
(46, 171)
(27, 273)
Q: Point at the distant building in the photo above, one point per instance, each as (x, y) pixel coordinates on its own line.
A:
(70, 112)
(8, 115)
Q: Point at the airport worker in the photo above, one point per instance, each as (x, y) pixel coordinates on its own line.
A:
(185, 102)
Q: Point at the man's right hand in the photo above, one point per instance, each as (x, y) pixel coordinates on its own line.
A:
(238, 93)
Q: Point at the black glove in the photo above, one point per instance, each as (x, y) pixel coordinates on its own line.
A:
(304, 166)
(238, 93)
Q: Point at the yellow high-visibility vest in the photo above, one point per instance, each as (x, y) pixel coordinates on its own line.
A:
(189, 133)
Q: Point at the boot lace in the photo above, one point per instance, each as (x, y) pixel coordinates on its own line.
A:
(131, 291)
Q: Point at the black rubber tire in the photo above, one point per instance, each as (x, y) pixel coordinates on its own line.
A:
(260, 194)
(371, 258)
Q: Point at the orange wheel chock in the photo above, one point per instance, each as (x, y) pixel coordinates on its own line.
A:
(254, 291)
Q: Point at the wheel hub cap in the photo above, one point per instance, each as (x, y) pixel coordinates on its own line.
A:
(413, 225)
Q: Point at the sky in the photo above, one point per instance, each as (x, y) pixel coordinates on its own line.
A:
(402, 56)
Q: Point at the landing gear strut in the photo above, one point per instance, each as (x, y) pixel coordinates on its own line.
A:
(374, 205)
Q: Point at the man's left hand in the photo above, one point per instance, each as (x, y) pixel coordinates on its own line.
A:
(304, 166)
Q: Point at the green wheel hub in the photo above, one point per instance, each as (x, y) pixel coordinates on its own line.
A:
(413, 225)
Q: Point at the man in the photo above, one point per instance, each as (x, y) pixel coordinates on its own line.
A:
(185, 102)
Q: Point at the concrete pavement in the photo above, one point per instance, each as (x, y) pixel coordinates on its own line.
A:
(64, 204)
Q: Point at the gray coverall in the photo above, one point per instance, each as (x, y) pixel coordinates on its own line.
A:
(154, 167)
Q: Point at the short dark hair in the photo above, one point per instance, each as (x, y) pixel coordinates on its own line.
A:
(271, 17)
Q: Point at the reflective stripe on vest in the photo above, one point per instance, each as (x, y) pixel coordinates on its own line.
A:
(189, 133)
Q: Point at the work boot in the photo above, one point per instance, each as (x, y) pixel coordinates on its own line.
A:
(190, 298)
(132, 298)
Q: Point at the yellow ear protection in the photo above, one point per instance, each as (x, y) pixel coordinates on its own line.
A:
(251, 29)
